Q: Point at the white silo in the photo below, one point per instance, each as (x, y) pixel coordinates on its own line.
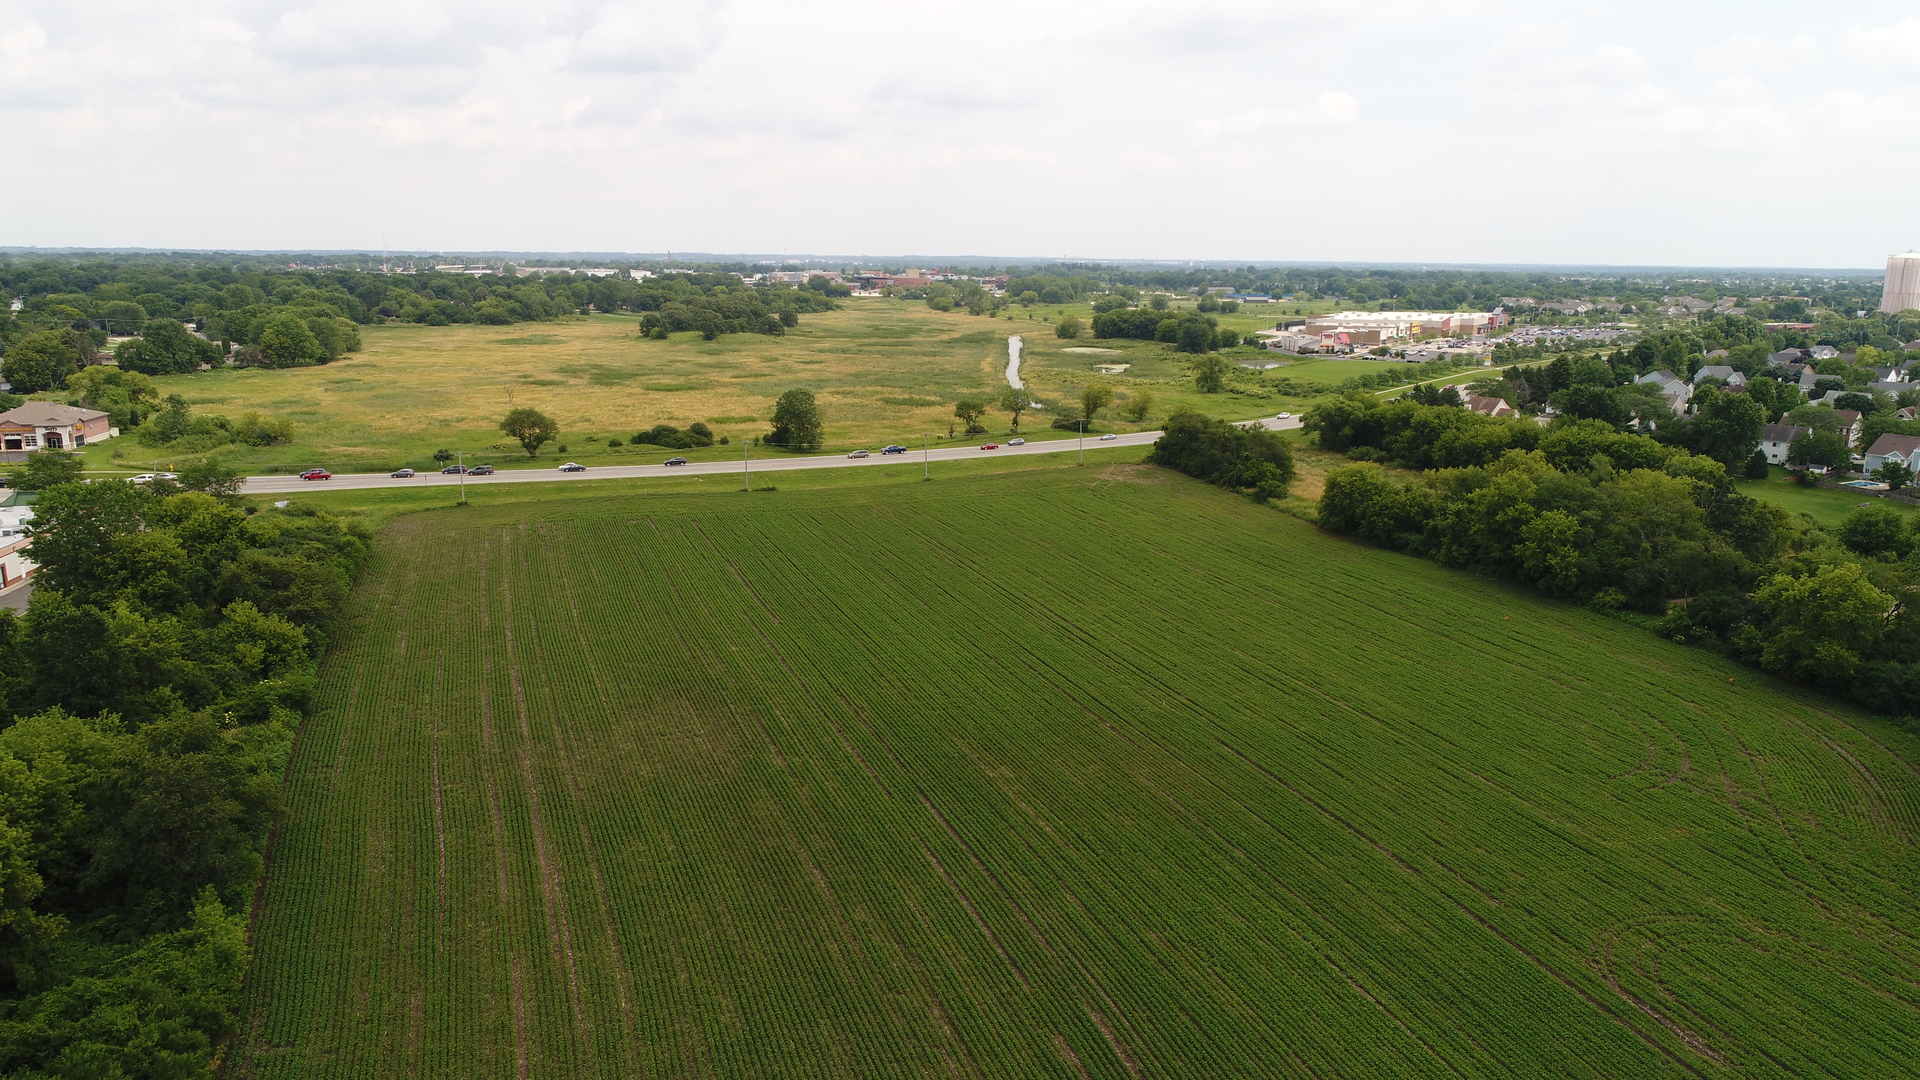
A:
(1903, 283)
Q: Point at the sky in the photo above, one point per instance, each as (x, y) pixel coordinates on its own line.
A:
(1438, 131)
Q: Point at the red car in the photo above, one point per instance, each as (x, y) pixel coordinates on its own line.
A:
(991, 446)
(316, 474)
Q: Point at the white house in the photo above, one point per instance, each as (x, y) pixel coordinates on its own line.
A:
(1777, 439)
(15, 567)
(1722, 372)
(1891, 447)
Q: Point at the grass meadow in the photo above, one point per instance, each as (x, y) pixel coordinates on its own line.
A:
(884, 371)
(1052, 772)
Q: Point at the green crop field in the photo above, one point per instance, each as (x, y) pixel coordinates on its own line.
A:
(1057, 773)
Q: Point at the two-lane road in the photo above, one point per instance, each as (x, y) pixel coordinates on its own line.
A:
(278, 485)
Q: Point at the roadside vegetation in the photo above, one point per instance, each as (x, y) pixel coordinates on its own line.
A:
(1625, 522)
(151, 693)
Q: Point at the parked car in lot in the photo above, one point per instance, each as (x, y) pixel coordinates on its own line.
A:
(675, 461)
(1016, 442)
(573, 466)
(991, 446)
(316, 474)
(401, 474)
(451, 469)
(894, 449)
(1108, 436)
(859, 453)
(480, 470)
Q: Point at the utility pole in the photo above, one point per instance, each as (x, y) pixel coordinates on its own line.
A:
(1083, 440)
(926, 458)
(744, 474)
(463, 477)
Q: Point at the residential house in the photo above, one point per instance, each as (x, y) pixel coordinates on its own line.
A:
(1719, 371)
(45, 425)
(1776, 440)
(1891, 447)
(1852, 424)
(1660, 377)
(1787, 356)
(1488, 406)
(15, 567)
(1911, 412)
(1823, 352)
(1890, 374)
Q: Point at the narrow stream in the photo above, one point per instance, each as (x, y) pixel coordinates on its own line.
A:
(1013, 363)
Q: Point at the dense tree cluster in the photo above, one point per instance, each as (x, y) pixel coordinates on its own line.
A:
(672, 438)
(149, 696)
(1188, 331)
(1584, 511)
(677, 304)
(1250, 459)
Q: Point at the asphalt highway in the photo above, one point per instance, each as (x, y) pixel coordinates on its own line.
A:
(277, 485)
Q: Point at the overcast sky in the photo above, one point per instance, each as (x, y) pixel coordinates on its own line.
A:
(1745, 134)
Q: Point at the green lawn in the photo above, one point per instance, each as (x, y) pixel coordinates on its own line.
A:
(1052, 772)
(1825, 505)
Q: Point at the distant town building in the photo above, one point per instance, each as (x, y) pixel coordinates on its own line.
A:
(1902, 290)
(1377, 327)
(15, 567)
(43, 425)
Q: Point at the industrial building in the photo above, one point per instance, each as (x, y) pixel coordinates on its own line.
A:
(1902, 291)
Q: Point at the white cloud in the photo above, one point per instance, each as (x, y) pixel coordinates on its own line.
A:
(998, 127)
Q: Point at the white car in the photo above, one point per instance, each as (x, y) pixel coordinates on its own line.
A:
(1284, 416)
(150, 477)
(1108, 437)
(1016, 442)
(859, 453)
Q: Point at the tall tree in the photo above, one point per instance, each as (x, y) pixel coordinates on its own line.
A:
(1094, 398)
(971, 410)
(1016, 400)
(1726, 427)
(530, 427)
(796, 421)
(40, 362)
(1210, 374)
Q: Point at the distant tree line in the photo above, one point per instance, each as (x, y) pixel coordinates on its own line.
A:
(1624, 522)
(285, 318)
(149, 696)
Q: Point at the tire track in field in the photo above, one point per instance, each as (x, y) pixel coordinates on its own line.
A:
(516, 981)
(372, 612)
(999, 887)
(559, 928)
(622, 977)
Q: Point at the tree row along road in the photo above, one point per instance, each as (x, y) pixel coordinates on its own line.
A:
(277, 485)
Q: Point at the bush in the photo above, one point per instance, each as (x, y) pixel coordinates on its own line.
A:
(1249, 459)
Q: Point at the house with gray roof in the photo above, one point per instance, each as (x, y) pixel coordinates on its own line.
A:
(1722, 372)
(1777, 439)
(1891, 447)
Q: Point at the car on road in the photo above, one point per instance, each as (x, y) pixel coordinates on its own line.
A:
(316, 474)
(991, 446)
(1284, 416)
(1108, 437)
(451, 469)
(1016, 442)
(480, 470)
(675, 461)
(150, 477)
(894, 449)
(401, 474)
(573, 466)
(859, 453)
